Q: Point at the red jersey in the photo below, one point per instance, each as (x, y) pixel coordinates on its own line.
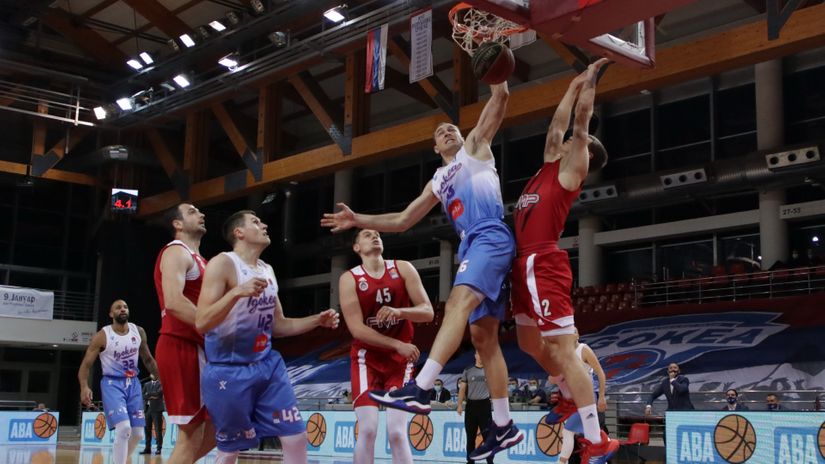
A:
(170, 325)
(541, 211)
(388, 290)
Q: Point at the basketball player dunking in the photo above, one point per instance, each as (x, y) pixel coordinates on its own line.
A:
(245, 385)
(119, 345)
(380, 299)
(469, 191)
(178, 278)
(541, 277)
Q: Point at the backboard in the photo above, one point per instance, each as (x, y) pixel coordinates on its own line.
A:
(622, 30)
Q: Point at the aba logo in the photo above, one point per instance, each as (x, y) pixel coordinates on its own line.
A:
(38, 429)
(634, 350)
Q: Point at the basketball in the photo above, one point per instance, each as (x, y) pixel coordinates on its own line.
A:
(316, 429)
(734, 438)
(493, 63)
(820, 440)
(100, 426)
(548, 437)
(45, 425)
(420, 432)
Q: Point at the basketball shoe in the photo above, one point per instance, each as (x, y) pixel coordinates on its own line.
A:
(497, 439)
(564, 409)
(410, 398)
(600, 453)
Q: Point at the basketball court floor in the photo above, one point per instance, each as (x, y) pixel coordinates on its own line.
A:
(73, 454)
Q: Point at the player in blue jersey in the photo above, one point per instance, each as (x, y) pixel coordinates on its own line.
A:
(245, 385)
(467, 186)
(119, 345)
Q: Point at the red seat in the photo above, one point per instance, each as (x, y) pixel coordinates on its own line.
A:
(781, 275)
(610, 288)
(639, 435)
(615, 297)
(622, 287)
(577, 292)
(589, 290)
(718, 270)
(603, 299)
(601, 307)
(623, 306)
(591, 300)
(737, 268)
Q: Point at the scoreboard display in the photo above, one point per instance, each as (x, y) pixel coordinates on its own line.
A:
(124, 201)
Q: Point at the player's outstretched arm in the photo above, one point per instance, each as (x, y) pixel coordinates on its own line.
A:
(575, 165)
(351, 309)
(173, 266)
(479, 139)
(290, 326)
(561, 118)
(593, 361)
(215, 302)
(146, 355)
(390, 222)
(421, 310)
(97, 345)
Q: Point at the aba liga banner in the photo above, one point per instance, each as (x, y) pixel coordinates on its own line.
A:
(95, 432)
(745, 436)
(439, 437)
(26, 302)
(28, 428)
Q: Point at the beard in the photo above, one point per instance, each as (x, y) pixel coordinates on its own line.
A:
(122, 318)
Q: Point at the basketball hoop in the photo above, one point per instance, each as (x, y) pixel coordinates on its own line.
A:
(472, 27)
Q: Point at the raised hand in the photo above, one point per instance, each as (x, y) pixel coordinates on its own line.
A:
(340, 221)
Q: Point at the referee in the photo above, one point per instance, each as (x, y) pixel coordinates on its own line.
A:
(473, 388)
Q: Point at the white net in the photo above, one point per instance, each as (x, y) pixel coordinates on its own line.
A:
(472, 27)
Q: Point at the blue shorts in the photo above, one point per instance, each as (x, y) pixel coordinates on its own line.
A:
(122, 400)
(250, 401)
(485, 256)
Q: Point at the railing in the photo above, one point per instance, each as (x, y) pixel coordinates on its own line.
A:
(17, 405)
(732, 287)
(76, 306)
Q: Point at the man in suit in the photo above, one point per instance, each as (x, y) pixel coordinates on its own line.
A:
(153, 395)
(732, 397)
(675, 388)
(772, 403)
(439, 393)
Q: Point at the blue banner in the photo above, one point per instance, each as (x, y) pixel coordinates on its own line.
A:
(28, 428)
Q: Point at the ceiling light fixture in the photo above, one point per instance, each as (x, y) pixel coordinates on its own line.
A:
(100, 112)
(230, 61)
(181, 80)
(146, 57)
(217, 26)
(135, 64)
(336, 14)
(125, 103)
(187, 40)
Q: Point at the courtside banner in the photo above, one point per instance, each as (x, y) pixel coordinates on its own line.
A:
(745, 436)
(28, 428)
(439, 437)
(26, 302)
(95, 432)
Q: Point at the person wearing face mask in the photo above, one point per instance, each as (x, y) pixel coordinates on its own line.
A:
(439, 393)
(513, 392)
(772, 403)
(535, 396)
(675, 387)
(733, 404)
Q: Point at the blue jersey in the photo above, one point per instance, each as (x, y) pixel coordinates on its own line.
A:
(244, 336)
(120, 357)
(469, 191)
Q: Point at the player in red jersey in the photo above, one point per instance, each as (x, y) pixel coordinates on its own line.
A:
(541, 274)
(179, 352)
(380, 299)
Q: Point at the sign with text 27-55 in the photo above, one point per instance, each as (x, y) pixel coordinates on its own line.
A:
(28, 428)
(764, 437)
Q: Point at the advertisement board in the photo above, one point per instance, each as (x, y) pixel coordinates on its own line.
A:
(28, 428)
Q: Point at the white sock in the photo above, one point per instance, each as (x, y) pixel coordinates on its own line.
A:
(226, 457)
(137, 435)
(590, 423)
(295, 448)
(397, 436)
(563, 388)
(568, 440)
(120, 447)
(501, 411)
(367, 430)
(426, 378)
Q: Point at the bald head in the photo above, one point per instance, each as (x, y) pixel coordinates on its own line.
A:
(119, 312)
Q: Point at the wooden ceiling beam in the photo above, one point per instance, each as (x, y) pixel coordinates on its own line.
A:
(434, 88)
(43, 162)
(318, 102)
(160, 17)
(569, 54)
(92, 43)
(738, 47)
(150, 25)
(178, 177)
(250, 158)
(52, 174)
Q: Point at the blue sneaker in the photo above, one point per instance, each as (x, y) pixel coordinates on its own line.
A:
(497, 439)
(410, 398)
(564, 409)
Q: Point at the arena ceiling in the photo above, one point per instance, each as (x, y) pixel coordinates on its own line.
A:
(301, 113)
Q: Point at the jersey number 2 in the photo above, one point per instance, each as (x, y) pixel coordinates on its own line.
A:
(545, 307)
(383, 296)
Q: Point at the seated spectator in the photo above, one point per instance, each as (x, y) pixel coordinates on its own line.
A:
(772, 403)
(535, 396)
(513, 392)
(41, 407)
(439, 393)
(732, 397)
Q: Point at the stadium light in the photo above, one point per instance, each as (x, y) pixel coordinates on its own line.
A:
(135, 64)
(181, 80)
(336, 14)
(100, 112)
(217, 26)
(125, 103)
(146, 57)
(187, 40)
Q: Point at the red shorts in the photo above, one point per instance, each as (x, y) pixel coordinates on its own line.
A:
(179, 364)
(372, 369)
(540, 293)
